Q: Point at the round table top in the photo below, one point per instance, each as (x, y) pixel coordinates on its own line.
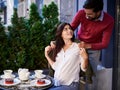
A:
(27, 85)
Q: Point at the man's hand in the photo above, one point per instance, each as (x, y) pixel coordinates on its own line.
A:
(84, 45)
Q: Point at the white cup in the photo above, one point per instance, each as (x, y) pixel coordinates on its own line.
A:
(23, 74)
(8, 74)
(38, 73)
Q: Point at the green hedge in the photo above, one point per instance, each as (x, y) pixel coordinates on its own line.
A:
(23, 46)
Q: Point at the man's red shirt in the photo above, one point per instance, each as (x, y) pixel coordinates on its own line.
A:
(96, 33)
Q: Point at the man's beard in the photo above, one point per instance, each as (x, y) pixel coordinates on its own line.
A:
(93, 19)
(90, 18)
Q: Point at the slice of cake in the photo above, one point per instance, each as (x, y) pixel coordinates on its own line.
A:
(9, 81)
(40, 81)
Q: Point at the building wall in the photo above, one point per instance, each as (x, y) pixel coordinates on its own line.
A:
(39, 4)
(47, 2)
(3, 13)
(24, 7)
(66, 9)
(10, 4)
(2, 16)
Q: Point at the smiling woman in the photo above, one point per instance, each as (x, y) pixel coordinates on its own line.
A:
(67, 59)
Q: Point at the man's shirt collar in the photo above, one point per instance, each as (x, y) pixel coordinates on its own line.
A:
(101, 16)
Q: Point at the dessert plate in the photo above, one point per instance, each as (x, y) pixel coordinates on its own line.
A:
(16, 81)
(34, 76)
(34, 83)
(3, 76)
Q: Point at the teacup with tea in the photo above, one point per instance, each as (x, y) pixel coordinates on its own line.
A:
(39, 73)
(8, 77)
(8, 74)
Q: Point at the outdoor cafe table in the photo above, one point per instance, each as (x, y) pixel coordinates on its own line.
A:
(27, 85)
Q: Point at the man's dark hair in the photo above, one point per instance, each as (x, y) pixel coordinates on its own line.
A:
(96, 5)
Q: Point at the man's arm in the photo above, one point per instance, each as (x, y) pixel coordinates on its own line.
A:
(105, 39)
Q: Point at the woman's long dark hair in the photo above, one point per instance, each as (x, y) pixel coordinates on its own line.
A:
(58, 38)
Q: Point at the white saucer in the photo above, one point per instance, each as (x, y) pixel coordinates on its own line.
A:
(16, 81)
(34, 83)
(3, 76)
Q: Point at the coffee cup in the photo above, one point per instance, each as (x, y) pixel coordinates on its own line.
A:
(38, 73)
(8, 74)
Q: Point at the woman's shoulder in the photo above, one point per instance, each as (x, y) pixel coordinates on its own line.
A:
(76, 41)
(75, 44)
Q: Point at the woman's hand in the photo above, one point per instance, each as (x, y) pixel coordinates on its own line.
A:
(52, 43)
(47, 50)
(83, 53)
(84, 62)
